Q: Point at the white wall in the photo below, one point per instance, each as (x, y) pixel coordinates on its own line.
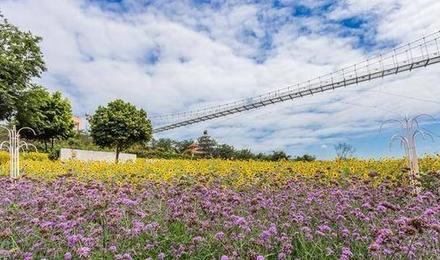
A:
(85, 155)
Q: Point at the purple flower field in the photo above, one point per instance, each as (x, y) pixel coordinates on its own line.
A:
(68, 219)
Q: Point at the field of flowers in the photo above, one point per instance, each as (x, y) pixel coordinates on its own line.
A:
(213, 209)
(228, 173)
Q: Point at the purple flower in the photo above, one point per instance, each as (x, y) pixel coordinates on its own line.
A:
(72, 240)
(381, 208)
(238, 221)
(429, 212)
(83, 251)
(129, 202)
(265, 235)
(27, 256)
(260, 257)
(324, 228)
(220, 235)
(112, 248)
(224, 257)
(346, 254)
(161, 256)
(67, 256)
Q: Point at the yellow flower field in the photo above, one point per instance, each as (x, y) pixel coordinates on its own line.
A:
(231, 173)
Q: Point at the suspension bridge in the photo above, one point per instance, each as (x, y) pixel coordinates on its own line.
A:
(417, 54)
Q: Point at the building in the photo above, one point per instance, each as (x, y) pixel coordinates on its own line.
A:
(78, 123)
(193, 149)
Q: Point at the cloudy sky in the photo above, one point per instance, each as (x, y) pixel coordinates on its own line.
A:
(172, 56)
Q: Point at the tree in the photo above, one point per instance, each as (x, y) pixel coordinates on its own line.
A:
(262, 157)
(279, 155)
(244, 154)
(224, 151)
(20, 60)
(183, 146)
(206, 144)
(165, 145)
(50, 115)
(344, 150)
(119, 125)
(305, 158)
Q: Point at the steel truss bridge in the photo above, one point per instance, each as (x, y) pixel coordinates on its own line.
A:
(417, 54)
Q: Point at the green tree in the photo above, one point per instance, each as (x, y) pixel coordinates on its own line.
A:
(262, 157)
(183, 146)
(279, 155)
(305, 158)
(224, 151)
(119, 125)
(244, 154)
(50, 115)
(20, 61)
(166, 145)
(206, 145)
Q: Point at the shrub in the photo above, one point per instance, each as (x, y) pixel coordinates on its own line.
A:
(54, 154)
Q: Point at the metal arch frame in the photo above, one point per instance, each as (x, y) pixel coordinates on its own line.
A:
(14, 145)
(410, 129)
(424, 52)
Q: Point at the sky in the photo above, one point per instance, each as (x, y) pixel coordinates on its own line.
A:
(173, 56)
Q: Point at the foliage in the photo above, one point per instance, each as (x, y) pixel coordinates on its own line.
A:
(279, 155)
(165, 145)
(80, 140)
(243, 154)
(54, 154)
(166, 148)
(20, 61)
(119, 125)
(224, 151)
(305, 158)
(50, 115)
(344, 150)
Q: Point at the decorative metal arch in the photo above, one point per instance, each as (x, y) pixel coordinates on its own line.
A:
(14, 145)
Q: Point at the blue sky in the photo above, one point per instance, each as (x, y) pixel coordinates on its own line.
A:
(173, 56)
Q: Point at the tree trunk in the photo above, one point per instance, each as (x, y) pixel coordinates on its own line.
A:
(45, 146)
(51, 140)
(117, 154)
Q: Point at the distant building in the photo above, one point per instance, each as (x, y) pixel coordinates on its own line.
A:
(78, 123)
(193, 149)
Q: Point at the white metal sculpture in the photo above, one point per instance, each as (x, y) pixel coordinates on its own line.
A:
(407, 137)
(14, 145)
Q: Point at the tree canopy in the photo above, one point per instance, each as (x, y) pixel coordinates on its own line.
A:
(119, 125)
(50, 115)
(20, 60)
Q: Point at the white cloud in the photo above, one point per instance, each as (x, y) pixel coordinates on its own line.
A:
(205, 56)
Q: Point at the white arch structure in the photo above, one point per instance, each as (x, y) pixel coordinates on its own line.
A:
(14, 145)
